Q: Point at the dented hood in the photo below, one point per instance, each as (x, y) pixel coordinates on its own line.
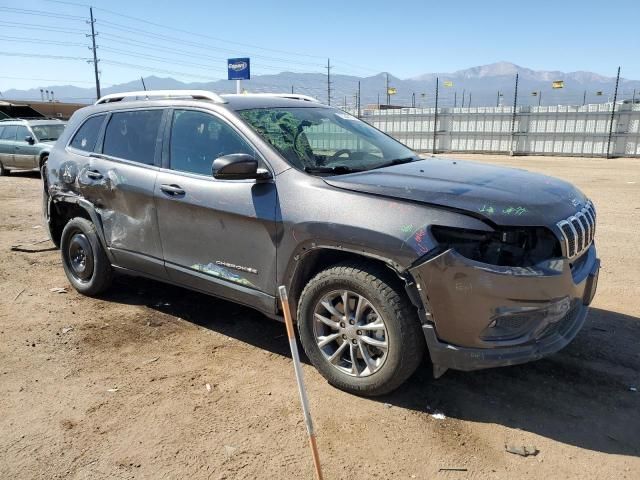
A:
(506, 196)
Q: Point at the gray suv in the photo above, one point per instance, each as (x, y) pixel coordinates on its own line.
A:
(25, 144)
(386, 255)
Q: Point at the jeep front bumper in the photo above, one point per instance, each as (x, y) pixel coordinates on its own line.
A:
(480, 316)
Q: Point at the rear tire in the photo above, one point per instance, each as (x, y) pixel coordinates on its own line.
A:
(83, 258)
(381, 330)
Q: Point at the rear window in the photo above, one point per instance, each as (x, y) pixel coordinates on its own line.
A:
(86, 137)
(132, 135)
(9, 133)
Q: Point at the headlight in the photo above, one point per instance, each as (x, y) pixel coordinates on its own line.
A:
(516, 247)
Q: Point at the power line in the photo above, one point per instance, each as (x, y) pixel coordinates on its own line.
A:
(31, 26)
(47, 79)
(40, 13)
(40, 41)
(153, 69)
(158, 36)
(37, 55)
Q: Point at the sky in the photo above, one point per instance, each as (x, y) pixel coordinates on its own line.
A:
(190, 40)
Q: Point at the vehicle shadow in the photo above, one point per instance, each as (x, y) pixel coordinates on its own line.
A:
(581, 396)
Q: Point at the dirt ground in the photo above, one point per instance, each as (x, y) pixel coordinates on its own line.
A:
(116, 387)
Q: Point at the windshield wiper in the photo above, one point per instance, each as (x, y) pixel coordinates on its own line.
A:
(338, 169)
(397, 161)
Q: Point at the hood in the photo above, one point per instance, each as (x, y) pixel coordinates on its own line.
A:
(505, 196)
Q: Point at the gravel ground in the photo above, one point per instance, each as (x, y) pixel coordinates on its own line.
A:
(116, 387)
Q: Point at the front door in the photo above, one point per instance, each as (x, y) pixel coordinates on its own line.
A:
(25, 154)
(218, 236)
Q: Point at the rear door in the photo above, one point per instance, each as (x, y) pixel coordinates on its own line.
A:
(217, 236)
(119, 180)
(7, 145)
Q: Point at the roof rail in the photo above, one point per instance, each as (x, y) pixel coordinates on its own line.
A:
(146, 94)
(292, 96)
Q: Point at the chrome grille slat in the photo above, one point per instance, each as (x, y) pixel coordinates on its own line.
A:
(578, 231)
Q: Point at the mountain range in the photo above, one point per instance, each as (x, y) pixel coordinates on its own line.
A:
(484, 85)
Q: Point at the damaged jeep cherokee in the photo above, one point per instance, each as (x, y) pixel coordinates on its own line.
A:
(385, 254)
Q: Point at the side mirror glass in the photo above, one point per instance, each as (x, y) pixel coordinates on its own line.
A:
(29, 139)
(238, 166)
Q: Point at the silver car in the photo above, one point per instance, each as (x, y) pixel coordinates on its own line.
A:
(25, 144)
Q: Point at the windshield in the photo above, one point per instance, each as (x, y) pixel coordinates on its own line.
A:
(326, 140)
(48, 132)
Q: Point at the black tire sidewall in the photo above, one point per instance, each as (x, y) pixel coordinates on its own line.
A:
(383, 380)
(100, 277)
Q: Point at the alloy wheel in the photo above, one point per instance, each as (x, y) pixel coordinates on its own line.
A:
(350, 333)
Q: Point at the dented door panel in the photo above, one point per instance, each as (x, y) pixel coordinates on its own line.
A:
(123, 195)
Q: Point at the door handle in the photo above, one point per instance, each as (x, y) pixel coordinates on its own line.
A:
(94, 174)
(172, 189)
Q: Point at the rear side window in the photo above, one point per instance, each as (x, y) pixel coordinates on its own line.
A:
(86, 137)
(132, 135)
(9, 133)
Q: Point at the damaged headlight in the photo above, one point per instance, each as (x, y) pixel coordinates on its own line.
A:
(514, 247)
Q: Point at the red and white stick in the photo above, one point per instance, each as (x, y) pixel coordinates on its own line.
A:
(298, 370)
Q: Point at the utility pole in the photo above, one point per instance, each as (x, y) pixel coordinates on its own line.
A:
(328, 82)
(95, 55)
(42, 94)
(513, 115)
(435, 119)
(584, 98)
(413, 100)
(386, 76)
(144, 87)
(613, 111)
(498, 99)
(463, 98)
(358, 102)
(469, 101)
(291, 89)
(455, 99)
(633, 99)
(539, 97)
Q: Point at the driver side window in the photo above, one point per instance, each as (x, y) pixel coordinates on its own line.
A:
(198, 138)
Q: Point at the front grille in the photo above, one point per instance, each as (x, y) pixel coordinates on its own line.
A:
(578, 230)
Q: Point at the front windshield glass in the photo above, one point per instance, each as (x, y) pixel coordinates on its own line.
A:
(326, 140)
(48, 132)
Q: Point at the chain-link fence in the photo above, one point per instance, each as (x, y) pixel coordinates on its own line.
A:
(559, 130)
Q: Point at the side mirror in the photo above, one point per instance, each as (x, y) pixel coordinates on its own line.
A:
(29, 139)
(238, 166)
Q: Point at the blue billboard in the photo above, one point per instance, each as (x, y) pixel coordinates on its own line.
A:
(238, 69)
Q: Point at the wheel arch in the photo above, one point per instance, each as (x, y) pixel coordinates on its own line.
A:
(310, 260)
(63, 208)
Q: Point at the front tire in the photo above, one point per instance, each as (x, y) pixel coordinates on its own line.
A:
(83, 258)
(3, 171)
(374, 344)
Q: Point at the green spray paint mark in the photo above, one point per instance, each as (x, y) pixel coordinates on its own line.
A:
(221, 272)
(516, 211)
(488, 209)
(407, 228)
